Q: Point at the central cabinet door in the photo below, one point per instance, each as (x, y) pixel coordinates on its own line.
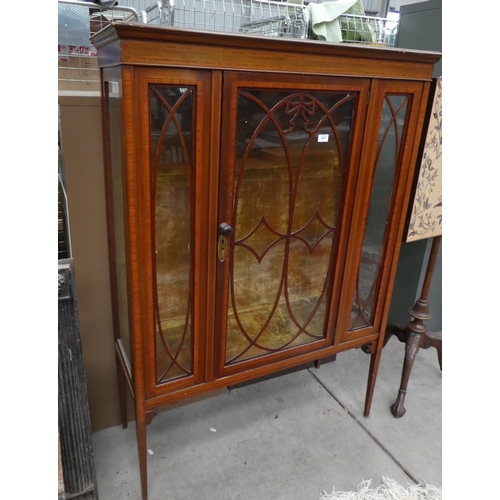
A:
(289, 153)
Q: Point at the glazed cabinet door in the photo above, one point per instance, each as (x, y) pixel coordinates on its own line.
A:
(289, 155)
(386, 170)
(172, 110)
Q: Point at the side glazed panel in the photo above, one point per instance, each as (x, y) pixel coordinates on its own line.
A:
(172, 170)
(286, 185)
(172, 157)
(393, 122)
(387, 161)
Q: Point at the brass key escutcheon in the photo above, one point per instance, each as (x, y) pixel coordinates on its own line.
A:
(225, 230)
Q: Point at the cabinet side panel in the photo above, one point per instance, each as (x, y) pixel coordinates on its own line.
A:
(116, 199)
(134, 255)
(116, 191)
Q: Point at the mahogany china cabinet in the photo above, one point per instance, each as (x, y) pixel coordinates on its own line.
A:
(257, 192)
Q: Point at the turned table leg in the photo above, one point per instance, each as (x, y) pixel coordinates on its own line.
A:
(411, 349)
(416, 335)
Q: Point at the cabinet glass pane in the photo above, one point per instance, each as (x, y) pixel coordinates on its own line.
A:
(290, 167)
(387, 158)
(114, 101)
(172, 126)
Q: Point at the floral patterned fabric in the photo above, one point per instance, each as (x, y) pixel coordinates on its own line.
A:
(426, 212)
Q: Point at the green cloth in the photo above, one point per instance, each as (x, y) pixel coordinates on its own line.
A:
(325, 23)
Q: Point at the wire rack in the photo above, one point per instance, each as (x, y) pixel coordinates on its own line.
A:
(79, 19)
(265, 18)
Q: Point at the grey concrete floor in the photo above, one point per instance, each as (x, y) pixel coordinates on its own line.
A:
(287, 437)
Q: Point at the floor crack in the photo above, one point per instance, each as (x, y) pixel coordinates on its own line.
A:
(396, 461)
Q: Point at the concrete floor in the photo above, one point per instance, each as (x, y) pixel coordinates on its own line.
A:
(288, 437)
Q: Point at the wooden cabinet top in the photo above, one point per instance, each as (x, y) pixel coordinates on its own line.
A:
(149, 45)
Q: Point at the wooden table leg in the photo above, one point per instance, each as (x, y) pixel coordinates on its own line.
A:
(416, 336)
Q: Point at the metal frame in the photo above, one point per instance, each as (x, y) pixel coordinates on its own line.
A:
(93, 5)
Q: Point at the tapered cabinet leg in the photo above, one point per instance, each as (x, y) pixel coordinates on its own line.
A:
(142, 449)
(122, 393)
(372, 377)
